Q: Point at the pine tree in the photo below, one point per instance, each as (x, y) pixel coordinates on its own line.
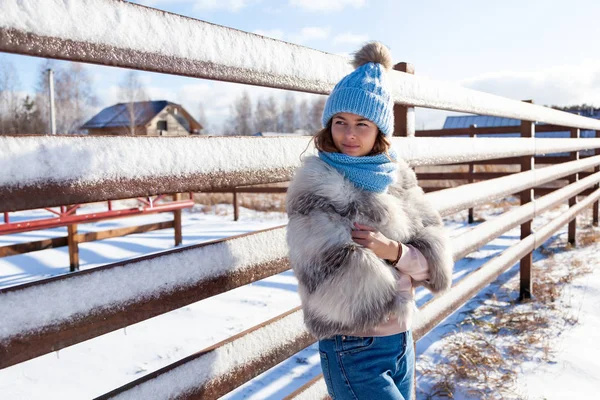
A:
(28, 119)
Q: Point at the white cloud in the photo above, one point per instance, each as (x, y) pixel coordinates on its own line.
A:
(326, 5)
(310, 33)
(231, 5)
(273, 10)
(273, 33)
(350, 38)
(561, 85)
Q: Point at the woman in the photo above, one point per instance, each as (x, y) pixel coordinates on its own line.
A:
(361, 236)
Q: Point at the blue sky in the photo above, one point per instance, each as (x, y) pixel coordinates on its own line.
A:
(544, 50)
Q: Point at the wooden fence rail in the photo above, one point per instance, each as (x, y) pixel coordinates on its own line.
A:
(28, 340)
(21, 248)
(49, 181)
(68, 217)
(50, 171)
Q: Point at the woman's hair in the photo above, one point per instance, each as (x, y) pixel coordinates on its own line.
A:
(324, 142)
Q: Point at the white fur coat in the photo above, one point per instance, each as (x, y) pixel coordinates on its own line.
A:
(344, 287)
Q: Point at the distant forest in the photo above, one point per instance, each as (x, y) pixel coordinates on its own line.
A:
(585, 109)
(75, 102)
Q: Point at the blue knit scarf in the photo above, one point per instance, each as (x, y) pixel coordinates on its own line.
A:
(372, 173)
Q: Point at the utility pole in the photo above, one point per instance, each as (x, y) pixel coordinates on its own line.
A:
(51, 99)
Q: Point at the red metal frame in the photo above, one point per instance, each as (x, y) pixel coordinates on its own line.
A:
(67, 215)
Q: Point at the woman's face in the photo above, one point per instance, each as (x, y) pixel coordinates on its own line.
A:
(352, 134)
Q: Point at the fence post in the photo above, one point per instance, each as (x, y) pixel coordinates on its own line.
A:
(527, 164)
(177, 222)
(575, 133)
(404, 126)
(6, 218)
(73, 248)
(471, 172)
(596, 205)
(404, 116)
(236, 206)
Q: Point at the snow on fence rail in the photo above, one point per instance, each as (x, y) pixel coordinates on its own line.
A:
(177, 281)
(212, 372)
(435, 311)
(49, 171)
(32, 326)
(118, 33)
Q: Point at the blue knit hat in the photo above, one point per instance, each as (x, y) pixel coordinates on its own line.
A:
(365, 91)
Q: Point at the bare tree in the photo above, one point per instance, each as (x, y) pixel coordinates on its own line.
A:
(266, 114)
(288, 114)
(202, 117)
(76, 96)
(41, 95)
(73, 95)
(241, 122)
(315, 114)
(131, 91)
(9, 97)
(302, 117)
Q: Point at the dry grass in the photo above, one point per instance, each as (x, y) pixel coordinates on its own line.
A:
(448, 183)
(443, 183)
(483, 353)
(265, 202)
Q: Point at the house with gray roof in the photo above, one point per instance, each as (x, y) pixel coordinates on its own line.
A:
(481, 121)
(146, 118)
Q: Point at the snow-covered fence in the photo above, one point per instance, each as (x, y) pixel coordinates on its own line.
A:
(253, 189)
(213, 371)
(112, 296)
(67, 216)
(485, 171)
(55, 170)
(49, 171)
(118, 33)
(175, 279)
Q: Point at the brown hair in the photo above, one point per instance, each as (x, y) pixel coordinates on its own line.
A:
(324, 142)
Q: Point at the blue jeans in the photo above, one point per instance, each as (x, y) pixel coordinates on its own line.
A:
(362, 368)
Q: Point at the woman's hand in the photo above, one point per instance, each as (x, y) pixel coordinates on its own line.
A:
(370, 238)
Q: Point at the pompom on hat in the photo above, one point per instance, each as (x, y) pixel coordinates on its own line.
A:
(365, 91)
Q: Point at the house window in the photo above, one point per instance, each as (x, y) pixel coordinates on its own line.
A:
(161, 125)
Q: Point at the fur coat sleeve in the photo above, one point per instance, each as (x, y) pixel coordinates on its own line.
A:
(343, 286)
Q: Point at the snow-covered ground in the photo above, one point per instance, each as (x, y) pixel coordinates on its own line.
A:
(574, 370)
(560, 360)
(96, 366)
